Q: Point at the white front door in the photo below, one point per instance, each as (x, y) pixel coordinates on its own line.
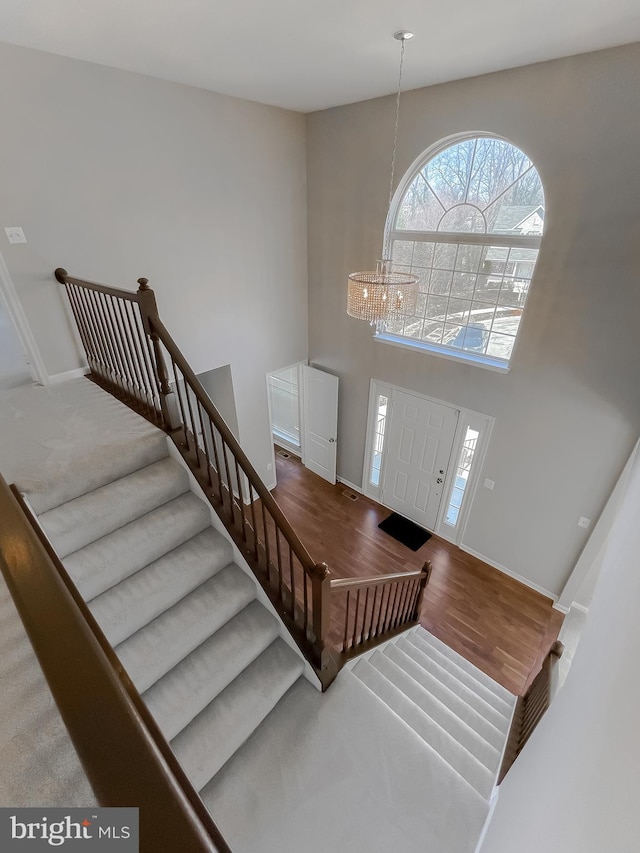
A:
(320, 392)
(418, 449)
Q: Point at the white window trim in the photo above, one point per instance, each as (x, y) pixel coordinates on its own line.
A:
(477, 359)
(466, 418)
(484, 425)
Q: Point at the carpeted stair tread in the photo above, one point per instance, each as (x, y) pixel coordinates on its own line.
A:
(74, 524)
(498, 720)
(464, 677)
(437, 711)
(456, 756)
(463, 663)
(135, 601)
(208, 742)
(155, 649)
(444, 694)
(182, 693)
(92, 439)
(105, 562)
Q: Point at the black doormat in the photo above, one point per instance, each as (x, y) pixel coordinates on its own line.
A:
(404, 531)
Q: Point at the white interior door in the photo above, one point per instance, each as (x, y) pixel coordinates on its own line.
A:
(320, 393)
(418, 450)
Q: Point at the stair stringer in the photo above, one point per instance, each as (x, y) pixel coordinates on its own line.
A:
(238, 558)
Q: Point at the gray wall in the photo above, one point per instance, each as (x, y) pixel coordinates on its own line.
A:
(568, 413)
(575, 785)
(218, 384)
(115, 175)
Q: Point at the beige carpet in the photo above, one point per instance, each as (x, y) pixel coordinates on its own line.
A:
(57, 442)
(49, 439)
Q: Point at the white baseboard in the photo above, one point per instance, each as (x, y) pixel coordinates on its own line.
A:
(68, 374)
(508, 572)
(560, 608)
(352, 486)
(576, 606)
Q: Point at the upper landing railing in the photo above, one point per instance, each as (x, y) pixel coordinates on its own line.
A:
(132, 355)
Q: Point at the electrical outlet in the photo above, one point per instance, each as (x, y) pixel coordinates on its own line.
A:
(15, 234)
(584, 522)
(489, 484)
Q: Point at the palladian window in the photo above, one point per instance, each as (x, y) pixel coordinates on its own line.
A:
(468, 221)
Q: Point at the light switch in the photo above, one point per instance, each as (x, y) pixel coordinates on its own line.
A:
(489, 484)
(584, 522)
(15, 234)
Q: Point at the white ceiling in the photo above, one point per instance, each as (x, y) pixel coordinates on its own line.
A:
(311, 54)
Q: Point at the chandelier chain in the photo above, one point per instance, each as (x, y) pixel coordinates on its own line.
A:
(395, 131)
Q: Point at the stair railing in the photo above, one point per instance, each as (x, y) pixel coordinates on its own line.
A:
(529, 710)
(124, 755)
(377, 609)
(132, 355)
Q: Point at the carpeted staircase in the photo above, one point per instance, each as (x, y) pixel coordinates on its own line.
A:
(461, 714)
(411, 736)
(182, 616)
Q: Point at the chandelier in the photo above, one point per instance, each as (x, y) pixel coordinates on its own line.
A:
(381, 295)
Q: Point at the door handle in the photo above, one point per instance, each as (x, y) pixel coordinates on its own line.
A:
(332, 441)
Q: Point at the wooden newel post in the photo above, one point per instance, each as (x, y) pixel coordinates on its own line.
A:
(321, 598)
(423, 585)
(149, 313)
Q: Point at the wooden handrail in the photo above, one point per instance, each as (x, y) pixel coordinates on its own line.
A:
(232, 442)
(375, 580)
(64, 278)
(126, 349)
(126, 758)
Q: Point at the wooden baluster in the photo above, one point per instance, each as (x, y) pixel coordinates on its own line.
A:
(179, 383)
(385, 622)
(232, 511)
(135, 365)
(253, 520)
(137, 336)
(112, 333)
(147, 356)
(204, 443)
(373, 610)
(79, 323)
(214, 445)
(305, 596)
(292, 581)
(94, 301)
(279, 556)
(243, 520)
(192, 424)
(406, 587)
(355, 619)
(394, 607)
(346, 622)
(125, 356)
(83, 304)
(364, 615)
(267, 549)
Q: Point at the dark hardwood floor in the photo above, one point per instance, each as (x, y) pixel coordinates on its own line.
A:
(497, 623)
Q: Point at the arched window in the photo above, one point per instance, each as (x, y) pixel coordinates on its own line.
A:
(468, 220)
